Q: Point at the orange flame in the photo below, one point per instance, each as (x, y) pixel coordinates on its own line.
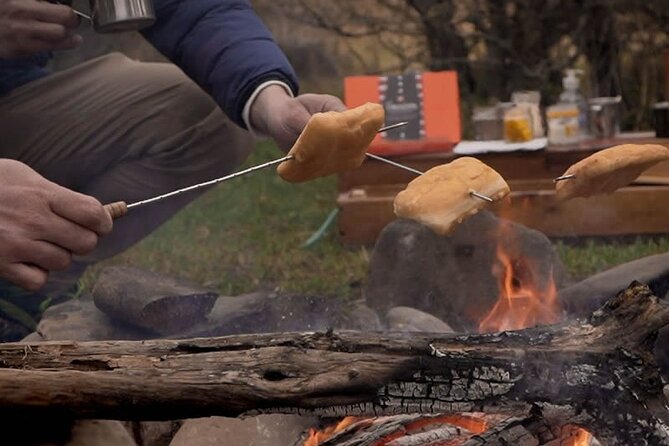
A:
(581, 438)
(317, 437)
(520, 305)
(522, 301)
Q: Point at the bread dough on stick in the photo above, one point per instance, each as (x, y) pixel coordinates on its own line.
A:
(333, 142)
(441, 199)
(610, 169)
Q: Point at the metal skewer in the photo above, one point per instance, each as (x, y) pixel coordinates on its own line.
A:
(239, 174)
(564, 177)
(416, 171)
(81, 14)
(393, 163)
(120, 208)
(212, 182)
(473, 193)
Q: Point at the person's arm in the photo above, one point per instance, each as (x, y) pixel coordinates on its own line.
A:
(223, 46)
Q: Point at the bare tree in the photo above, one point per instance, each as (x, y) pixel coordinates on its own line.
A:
(499, 46)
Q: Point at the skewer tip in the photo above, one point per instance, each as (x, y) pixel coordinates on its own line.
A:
(392, 126)
(564, 177)
(481, 196)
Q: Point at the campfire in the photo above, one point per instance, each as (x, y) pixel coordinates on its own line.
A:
(523, 302)
(545, 385)
(521, 388)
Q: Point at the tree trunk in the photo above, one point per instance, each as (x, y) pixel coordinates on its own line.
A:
(599, 374)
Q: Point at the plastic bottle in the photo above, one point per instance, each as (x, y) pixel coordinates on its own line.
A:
(563, 125)
(572, 95)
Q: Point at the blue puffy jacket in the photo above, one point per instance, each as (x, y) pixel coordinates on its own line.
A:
(221, 44)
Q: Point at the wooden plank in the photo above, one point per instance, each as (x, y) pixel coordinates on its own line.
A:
(364, 212)
(547, 163)
(634, 210)
(628, 211)
(513, 165)
(561, 157)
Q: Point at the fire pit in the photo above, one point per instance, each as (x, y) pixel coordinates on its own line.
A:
(598, 374)
(524, 301)
(491, 383)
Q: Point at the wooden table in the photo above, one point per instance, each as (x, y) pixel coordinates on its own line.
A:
(365, 195)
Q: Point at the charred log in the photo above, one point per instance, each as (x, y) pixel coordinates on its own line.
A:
(599, 374)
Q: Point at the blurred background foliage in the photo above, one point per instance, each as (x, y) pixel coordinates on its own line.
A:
(496, 46)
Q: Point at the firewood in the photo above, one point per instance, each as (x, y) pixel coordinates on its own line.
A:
(599, 374)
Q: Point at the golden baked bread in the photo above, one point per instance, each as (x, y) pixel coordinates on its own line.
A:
(441, 199)
(333, 142)
(607, 170)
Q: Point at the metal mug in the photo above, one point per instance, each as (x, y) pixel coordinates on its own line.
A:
(113, 16)
(604, 116)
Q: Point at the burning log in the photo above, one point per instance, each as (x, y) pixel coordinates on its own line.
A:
(399, 430)
(599, 374)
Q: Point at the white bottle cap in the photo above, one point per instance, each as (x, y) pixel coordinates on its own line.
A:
(571, 80)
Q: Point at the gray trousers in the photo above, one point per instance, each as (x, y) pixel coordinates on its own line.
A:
(118, 129)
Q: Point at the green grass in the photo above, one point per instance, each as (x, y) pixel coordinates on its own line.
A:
(247, 235)
(594, 256)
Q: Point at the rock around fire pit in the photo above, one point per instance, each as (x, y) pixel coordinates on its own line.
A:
(452, 277)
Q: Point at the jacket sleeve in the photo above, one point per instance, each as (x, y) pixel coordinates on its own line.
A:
(223, 46)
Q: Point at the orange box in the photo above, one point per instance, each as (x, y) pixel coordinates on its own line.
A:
(429, 101)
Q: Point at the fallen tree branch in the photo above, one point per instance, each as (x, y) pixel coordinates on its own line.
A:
(599, 374)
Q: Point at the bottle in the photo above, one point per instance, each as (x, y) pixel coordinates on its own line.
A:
(563, 125)
(572, 95)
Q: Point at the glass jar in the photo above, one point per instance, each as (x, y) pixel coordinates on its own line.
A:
(517, 124)
(487, 123)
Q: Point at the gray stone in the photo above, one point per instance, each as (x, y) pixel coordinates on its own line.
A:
(163, 304)
(153, 433)
(409, 319)
(262, 430)
(34, 337)
(270, 312)
(360, 318)
(586, 296)
(100, 433)
(80, 320)
(452, 277)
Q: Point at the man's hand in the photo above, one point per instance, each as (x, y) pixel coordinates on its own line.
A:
(277, 114)
(31, 26)
(42, 225)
